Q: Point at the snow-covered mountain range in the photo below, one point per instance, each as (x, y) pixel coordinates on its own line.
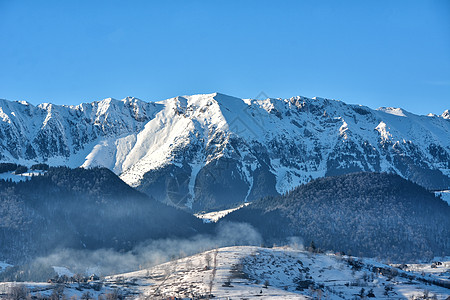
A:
(214, 151)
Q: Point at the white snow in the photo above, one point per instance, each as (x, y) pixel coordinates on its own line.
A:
(19, 177)
(3, 266)
(445, 195)
(12, 176)
(61, 271)
(343, 129)
(214, 216)
(384, 131)
(132, 137)
(195, 169)
(393, 111)
(249, 272)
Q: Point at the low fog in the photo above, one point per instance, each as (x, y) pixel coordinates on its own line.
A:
(107, 261)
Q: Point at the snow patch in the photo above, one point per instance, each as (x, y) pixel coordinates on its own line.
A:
(4, 265)
(445, 195)
(213, 217)
(383, 130)
(61, 271)
(393, 111)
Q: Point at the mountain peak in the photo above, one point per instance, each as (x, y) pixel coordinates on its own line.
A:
(393, 111)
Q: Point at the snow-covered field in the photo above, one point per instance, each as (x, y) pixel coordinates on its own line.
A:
(19, 177)
(248, 272)
(440, 267)
(445, 195)
(214, 216)
(3, 266)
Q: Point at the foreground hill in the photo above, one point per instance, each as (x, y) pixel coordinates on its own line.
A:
(260, 273)
(81, 209)
(205, 152)
(366, 214)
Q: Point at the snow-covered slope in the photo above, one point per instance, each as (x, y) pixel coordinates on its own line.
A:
(245, 272)
(3, 266)
(214, 216)
(445, 195)
(215, 151)
(89, 133)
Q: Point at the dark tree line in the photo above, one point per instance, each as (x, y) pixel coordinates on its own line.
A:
(82, 208)
(11, 167)
(365, 214)
(20, 169)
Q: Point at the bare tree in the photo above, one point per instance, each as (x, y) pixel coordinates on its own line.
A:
(208, 261)
(87, 296)
(189, 265)
(114, 295)
(18, 292)
(216, 251)
(58, 292)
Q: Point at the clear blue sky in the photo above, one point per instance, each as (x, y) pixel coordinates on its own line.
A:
(375, 53)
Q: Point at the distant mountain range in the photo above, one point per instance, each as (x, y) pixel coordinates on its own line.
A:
(212, 151)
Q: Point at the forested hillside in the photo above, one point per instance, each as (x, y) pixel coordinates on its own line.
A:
(365, 214)
(81, 208)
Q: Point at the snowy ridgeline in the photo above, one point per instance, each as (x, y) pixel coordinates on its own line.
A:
(247, 272)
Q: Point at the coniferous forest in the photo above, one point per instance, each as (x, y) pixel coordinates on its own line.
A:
(365, 214)
(82, 209)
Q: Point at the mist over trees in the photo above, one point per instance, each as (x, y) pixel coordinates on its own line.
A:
(82, 209)
(366, 214)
